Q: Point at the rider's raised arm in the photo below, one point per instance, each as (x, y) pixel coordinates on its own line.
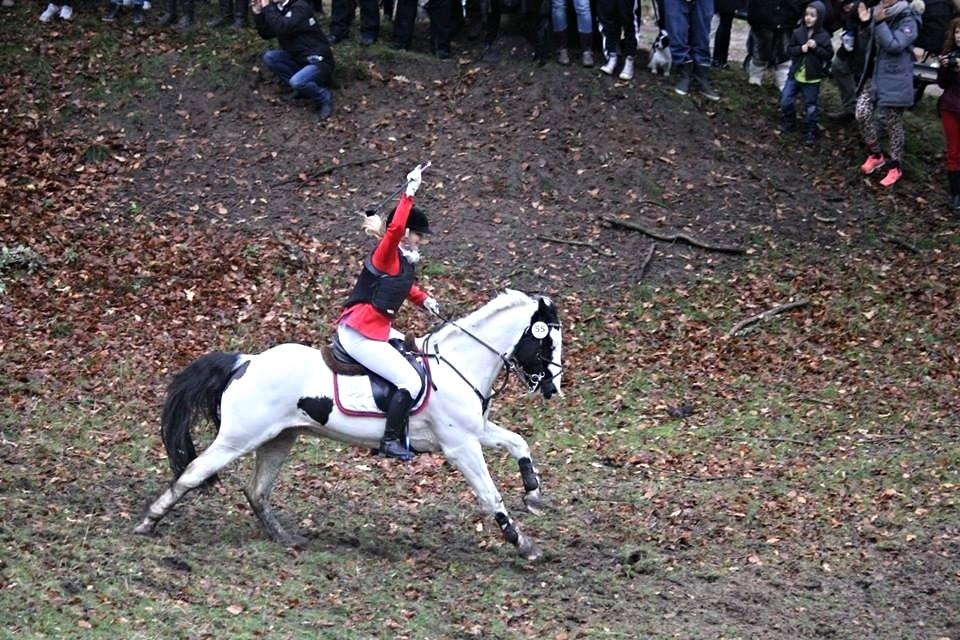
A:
(385, 256)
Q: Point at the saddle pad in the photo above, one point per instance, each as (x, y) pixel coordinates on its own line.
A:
(353, 396)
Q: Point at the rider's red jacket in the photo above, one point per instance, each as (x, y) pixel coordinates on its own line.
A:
(363, 316)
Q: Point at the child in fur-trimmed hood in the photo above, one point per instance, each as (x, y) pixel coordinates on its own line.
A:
(886, 88)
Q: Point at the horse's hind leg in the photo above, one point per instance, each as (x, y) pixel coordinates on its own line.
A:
(495, 436)
(468, 458)
(214, 458)
(270, 457)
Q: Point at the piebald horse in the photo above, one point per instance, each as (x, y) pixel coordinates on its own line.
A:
(261, 403)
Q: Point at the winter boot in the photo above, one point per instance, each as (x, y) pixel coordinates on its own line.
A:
(586, 43)
(394, 442)
(610, 65)
(811, 134)
(169, 18)
(137, 14)
(953, 180)
(701, 75)
(788, 123)
(563, 56)
(114, 13)
(324, 104)
(186, 18)
(683, 79)
(225, 17)
(627, 72)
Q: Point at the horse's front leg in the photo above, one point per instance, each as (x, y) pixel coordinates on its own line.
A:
(495, 436)
(467, 456)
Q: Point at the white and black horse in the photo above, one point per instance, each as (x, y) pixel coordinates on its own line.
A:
(263, 402)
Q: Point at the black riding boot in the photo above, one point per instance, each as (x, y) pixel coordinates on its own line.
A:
(394, 442)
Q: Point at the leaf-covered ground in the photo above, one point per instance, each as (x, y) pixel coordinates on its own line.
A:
(159, 201)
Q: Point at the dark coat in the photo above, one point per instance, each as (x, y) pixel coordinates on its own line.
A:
(729, 6)
(296, 29)
(774, 14)
(892, 58)
(949, 80)
(817, 60)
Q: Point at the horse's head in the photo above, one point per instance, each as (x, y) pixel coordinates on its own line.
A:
(538, 353)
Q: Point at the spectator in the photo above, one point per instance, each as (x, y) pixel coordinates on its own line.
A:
(948, 77)
(888, 90)
(558, 16)
(179, 17)
(341, 16)
(404, 24)
(810, 52)
(619, 31)
(936, 15)
(116, 8)
(771, 22)
(304, 61)
(688, 23)
(7, 4)
(847, 65)
(534, 13)
(232, 13)
(65, 11)
(726, 10)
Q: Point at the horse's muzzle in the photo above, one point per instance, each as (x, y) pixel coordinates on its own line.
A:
(548, 389)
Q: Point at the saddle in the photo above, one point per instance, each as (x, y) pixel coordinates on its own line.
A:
(342, 363)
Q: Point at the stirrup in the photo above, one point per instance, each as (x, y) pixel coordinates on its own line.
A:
(394, 449)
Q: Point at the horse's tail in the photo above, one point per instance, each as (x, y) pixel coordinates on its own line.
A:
(194, 394)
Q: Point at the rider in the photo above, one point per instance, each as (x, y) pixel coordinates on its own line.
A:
(365, 325)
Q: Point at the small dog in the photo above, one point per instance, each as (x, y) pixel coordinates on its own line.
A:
(660, 58)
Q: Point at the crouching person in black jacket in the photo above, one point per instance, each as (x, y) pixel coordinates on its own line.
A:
(304, 60)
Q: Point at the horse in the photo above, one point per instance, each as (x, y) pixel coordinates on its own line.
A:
(263, 402)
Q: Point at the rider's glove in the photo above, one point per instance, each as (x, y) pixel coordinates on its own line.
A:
(413, 180)
(432, 306)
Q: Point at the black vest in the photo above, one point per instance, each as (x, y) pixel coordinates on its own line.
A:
(384, 291)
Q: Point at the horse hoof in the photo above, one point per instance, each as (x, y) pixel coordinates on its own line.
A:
(534, 503)
(145, 528)
(528, 549)
(294, 541)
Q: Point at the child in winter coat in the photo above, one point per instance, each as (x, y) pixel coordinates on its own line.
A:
(884, 94)
(948, 77)
(810, 54)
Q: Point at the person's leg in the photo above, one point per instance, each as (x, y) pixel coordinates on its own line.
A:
(867, 123)
(701, 11)
(951, 135)
(558, 19)
(677, 20)
(369, 21)
(761, 55)
(788, 108)
(811, 111)
(630, 26)
(892, 119)
(281, 64)
(608, 26)
(440, 26)
(584, 19)
(404, 22)
(493, 24)
(721, 41)
(846, 85)
(341, 15)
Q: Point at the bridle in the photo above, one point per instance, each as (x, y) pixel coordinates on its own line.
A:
(510, 363)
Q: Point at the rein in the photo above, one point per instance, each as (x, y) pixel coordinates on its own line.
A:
(509, 363)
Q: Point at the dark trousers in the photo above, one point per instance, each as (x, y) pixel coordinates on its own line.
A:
(440, 21)
(810, 91)
(616, 19)
(721, 41)
(341, 16)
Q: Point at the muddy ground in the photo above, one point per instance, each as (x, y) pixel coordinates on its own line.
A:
(654, 528)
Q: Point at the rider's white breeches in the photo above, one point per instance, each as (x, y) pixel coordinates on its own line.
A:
(381, 358)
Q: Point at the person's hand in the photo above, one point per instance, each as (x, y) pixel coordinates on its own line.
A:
(863, 12)
(413, 180)
(811, 44)
(879, 13)
(432, 306)
(804, 47)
